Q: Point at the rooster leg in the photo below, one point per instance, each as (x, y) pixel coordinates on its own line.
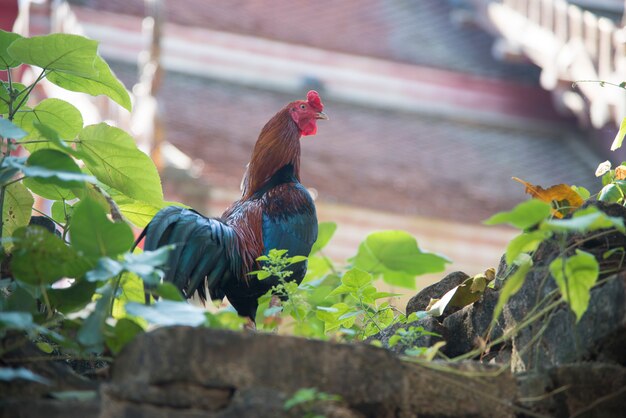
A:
(274, 302)
(249, 325)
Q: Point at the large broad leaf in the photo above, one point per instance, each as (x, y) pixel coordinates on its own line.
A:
(73, 298)
(56, 114)
(137, 212)
(144, 265)
(118, 163)
(73, 54)
(6, 60)
(9, 130)
(53, 174)
(101, 82)
(326, 230)
(586, 220)
(47, 133)
(18, 204)
(575, 279)
(4, 95)
(94, 235)
(522, 216)
(40, 257)
(513, 283)
(168, 312)
(396, 255)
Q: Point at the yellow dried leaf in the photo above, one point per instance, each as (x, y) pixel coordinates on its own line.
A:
(567, 199)
(620, 172)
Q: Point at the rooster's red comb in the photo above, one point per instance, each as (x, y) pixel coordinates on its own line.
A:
(314, 100)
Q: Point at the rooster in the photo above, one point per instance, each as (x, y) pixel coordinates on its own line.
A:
(274, 212)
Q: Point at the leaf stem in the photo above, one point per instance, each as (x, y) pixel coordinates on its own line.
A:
(46, 300)
(30, 88)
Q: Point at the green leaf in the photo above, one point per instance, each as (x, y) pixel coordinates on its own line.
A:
(6, 60)
(585, 220)
(53, 174)
(396, 255)
(137, 212)
(167, 312)
(4, 95)
(92, 234)
(40, 257)
(611, 193)
(118, 163)
(22, 321)
(101, 82)
(8, 374)
(61, 210)
(522, 216)
(45, 347)
(73, 54)
(57, 115)
(106, 268)
(18, 203)
(575, 278)
(73, 298)
(91, 333)
(169, 291)
(525, 243)
(582, 192)
(9, 130)
(356, 278)
(619, 138)
(125, 331)
(513, 284)
(325, 231)
(51, 135)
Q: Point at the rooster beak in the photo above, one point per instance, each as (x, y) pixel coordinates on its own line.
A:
(321, 115)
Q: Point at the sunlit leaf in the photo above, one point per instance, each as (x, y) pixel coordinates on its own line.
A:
(522, 216)
(575, 278)
(103, 81)
(118, 163)
(63, 52)
(4, 95)
(603, 168)
(396, 256)
(6, 60)
(619, 137)
(58, 115)
(53, 174)
(585, 220)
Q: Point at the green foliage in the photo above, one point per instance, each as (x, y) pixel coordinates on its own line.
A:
(523, 216)
(103, 274)
(306, 398)
(575, 277)
(396, 257)
(619, 137)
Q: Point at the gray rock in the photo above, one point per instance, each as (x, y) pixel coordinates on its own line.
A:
(263, 370)
(464, 328)
(420, 301)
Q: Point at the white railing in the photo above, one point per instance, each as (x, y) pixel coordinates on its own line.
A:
(570, 45)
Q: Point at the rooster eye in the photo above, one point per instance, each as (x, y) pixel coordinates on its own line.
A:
(302, 106)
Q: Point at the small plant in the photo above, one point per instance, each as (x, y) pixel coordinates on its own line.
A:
(306, 398)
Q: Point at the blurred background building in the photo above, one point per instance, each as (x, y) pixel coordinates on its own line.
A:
(434, 104)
